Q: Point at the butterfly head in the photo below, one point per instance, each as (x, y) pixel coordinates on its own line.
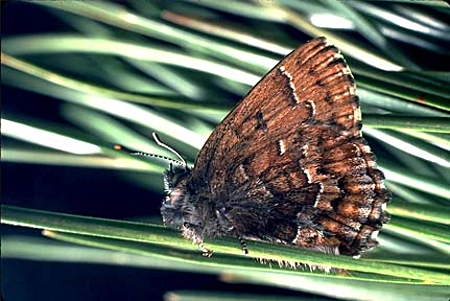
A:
(177, 208)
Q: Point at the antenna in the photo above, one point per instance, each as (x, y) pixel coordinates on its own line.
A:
(132, 152)
(158, 141)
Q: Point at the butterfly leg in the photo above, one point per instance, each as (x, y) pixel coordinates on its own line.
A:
(191, 232)
(206, 252)
(227, 227)
(243, 244)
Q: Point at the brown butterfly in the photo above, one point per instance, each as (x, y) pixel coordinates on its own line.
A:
(288, 165)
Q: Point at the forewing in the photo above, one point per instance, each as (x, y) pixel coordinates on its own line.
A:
(294, 145)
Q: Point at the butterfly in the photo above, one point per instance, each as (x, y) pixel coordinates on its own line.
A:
(288, 165)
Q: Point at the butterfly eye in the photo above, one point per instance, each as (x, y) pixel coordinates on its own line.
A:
(175, 198)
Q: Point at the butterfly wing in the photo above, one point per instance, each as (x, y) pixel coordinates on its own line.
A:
(288, 164)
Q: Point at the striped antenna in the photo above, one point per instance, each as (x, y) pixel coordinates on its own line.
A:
(158, 141)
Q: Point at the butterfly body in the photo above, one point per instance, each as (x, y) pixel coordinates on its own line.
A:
(288, 165)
